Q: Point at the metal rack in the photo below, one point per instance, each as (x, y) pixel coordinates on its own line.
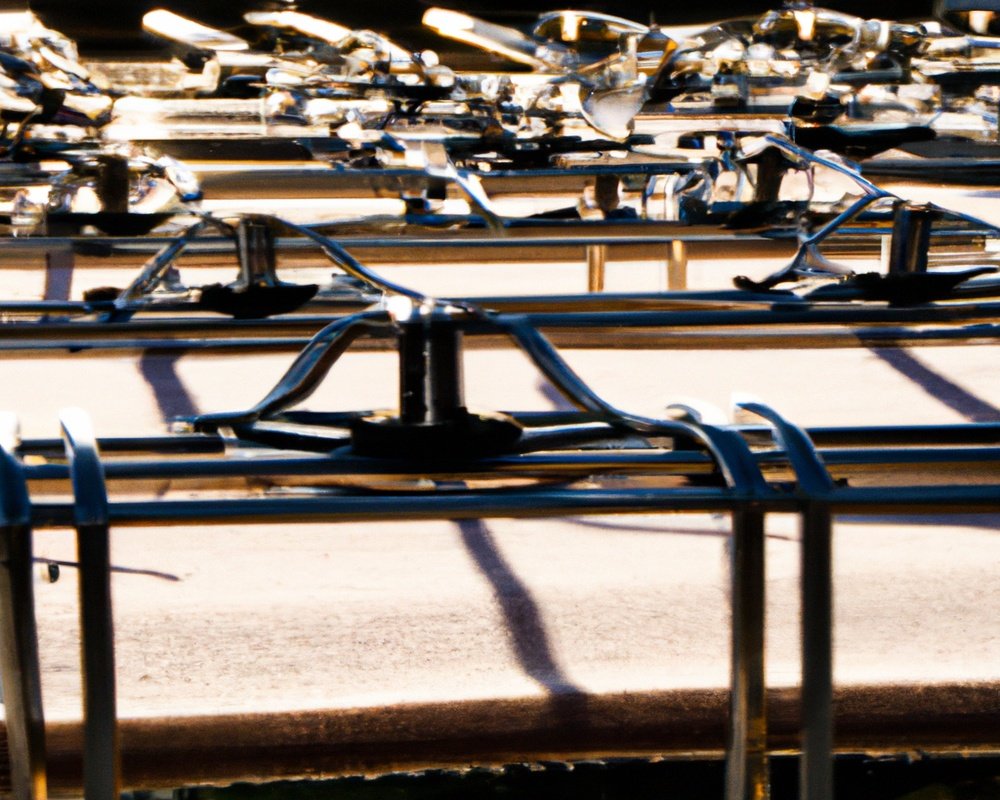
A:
(343, 134)
(554, 462)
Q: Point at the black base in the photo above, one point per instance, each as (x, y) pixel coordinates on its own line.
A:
(466, 436)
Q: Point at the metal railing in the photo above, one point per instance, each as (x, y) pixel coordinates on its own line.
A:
(759, 466)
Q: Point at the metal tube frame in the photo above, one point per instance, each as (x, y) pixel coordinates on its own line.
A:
(20, 673)
(727, 476)
(102, 752)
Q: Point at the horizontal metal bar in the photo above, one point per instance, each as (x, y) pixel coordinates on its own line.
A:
(592, 338)
(566, 314)
(532, 503)
(530, 234)
(929, 461)
(174, 444)
(859, 436)
(523, 232)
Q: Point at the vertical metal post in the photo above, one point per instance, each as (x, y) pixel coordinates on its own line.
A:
(677, 262)
(101, 753)
(746, 752)
(746, 741)
(19, 669)
(597, 256)
(113, 183)
(816, 766)
(771, 169)
(911, 236)
(255, 248)
(430, 370)
(814, 485)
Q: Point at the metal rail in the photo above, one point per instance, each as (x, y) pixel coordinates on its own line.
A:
(660, 466)
(786, 322)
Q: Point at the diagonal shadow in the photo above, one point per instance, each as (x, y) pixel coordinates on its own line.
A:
(554, 396)
(988, 522)
(150, 573)
(528, 636)
(632, 527)
(159, 370)
(956, 397)
(568, 703)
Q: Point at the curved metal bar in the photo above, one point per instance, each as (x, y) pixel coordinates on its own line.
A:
(19, 668)
(153, 270)
(573, 388)
(747, 763)
(102, 755)
(808, 245)
(473, 191)
(787, 146)
(847, 214)
(814, 484)
(730, 452)
(814, 480)
(736, 461)
(306, 372)
(961, 215)
(339, 256)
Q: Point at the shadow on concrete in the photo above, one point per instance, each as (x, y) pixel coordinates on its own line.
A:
(159, 370)
(631, 527)
(526, 630)
(956, 397)
(990, 522)
(149, 573)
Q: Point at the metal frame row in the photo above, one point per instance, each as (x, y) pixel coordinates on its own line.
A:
(749, 470)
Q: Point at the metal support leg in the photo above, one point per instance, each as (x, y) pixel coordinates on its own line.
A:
(113, 183)
(101, 753)
(814, 484)
(19, 669)
(677, 263)
(816, 766)
(597, 256)
(746, 766)
(430, 371)
(255, 246)
(911, 236)
(746, 741)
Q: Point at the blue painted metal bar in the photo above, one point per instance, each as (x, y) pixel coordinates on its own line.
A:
(747, 769)
(19, 667)
(814, 486)
(101, 761)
